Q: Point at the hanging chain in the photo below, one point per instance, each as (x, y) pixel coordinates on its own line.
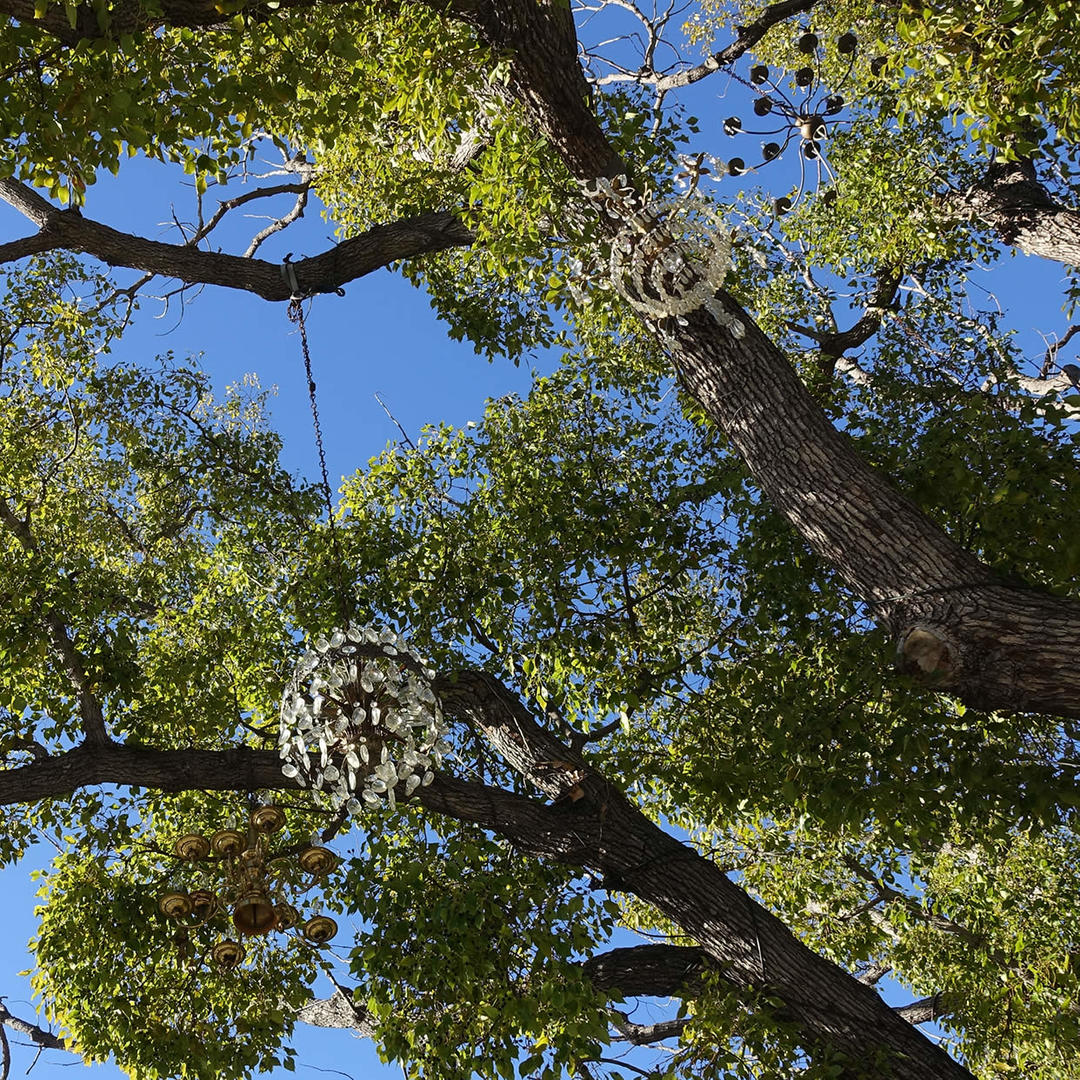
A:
(296, 315)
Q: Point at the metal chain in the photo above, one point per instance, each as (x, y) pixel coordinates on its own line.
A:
(296, 315)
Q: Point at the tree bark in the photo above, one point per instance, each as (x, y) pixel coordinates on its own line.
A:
(956, 624)
(353, 258)
(1023, 214)
(752, 949)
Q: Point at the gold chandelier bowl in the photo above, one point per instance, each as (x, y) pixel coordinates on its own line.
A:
(228, 842)
(254, 915)
(203, 904)
(287, 916)
(175, 904)
(228, 954)
(317, 860)
(192, 846)
(319, 929)
(268, 819)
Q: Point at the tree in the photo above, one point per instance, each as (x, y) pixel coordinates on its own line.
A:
(832, 655)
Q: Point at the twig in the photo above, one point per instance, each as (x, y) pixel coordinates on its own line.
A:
(408, 442)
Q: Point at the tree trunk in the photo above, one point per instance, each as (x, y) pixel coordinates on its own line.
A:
(1023, 214)
(956, 624)
(592, 824)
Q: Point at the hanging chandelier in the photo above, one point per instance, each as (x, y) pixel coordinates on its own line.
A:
(247, 888)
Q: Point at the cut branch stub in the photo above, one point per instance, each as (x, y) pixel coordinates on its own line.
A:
(927, 653)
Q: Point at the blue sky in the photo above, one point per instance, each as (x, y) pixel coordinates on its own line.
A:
(382, 337)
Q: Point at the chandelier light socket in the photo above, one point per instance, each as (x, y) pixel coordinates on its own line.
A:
(317, 861)
(268, 819)
(227, 842)
(176, 904)
(319, 929)
(228, 954)
(254, 915)
(192, 846)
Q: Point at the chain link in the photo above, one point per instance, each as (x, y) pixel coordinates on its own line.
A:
(296, 315)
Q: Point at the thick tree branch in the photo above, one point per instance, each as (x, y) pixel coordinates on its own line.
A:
(648, 970)
(646, 1034)
(131, 16)
(956, 624)
(353, 258)
(641, 971)
(37, 1035)
(834, 343)
(750, 946)
(1023, 214)
(922, 1011)
(338, 1011)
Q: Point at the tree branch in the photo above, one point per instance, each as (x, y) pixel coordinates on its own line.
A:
(338, 1011)
(599, 830)
(746, 37)
(131, 16)
(956, 624)
(753, 949)
(1023, 214)
(37, 1035)
(922, 1011)
(646, 1034)
(353, 258)
(835, 344)
(648, 970)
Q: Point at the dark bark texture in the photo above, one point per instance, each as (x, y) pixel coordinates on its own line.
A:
(1024, 215)
(956, 624)
(751, 948)
(353, 258)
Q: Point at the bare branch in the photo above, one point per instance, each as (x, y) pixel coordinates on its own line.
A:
(327, 272)
(644, 1034)
(37, 1035)
(746, 37)
(1050, 360)
(278, 224)
(5, 1053)
(922, 1011)
(226, 205)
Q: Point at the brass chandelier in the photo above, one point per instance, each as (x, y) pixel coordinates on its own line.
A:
(247, 888)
